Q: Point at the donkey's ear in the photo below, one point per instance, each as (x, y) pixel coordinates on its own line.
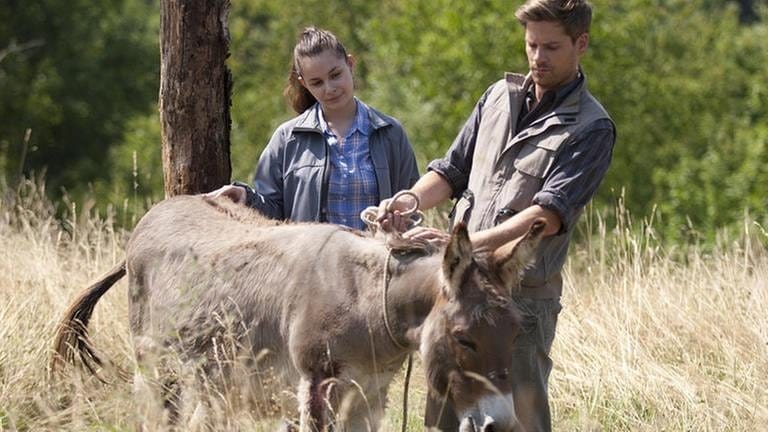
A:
(510, 259)
(457, 259)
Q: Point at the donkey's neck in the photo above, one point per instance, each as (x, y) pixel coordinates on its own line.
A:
(412, 292)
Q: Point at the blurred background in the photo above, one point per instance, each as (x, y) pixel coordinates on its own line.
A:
(685, 80)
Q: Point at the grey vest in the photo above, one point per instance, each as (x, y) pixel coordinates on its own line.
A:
(509, 167)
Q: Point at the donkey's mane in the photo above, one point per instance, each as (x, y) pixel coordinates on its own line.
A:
(399, 245)
(392, 241)
(239, 212)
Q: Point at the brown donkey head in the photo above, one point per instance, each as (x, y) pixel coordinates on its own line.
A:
(468, 340)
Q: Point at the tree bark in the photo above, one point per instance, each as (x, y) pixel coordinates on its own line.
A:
(747, 14)
(195, 95)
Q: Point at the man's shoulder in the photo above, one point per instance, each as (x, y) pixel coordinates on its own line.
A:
(501, 88)
(589, 102)
(498, 91)
(594, 117)
(593, 105)
(509, 81)
(512, 79)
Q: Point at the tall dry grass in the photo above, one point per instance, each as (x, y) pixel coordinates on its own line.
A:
(649, 339)
(663, 339)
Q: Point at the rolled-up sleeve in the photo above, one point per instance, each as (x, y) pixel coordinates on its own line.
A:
(577, 172)
(457, 163)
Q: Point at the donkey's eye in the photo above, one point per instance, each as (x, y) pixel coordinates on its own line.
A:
(465, 342)
(468, 344)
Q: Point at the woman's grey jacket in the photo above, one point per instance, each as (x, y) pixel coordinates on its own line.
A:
(291, 179)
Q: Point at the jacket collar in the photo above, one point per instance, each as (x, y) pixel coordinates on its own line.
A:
(308, 120)
(565, 113)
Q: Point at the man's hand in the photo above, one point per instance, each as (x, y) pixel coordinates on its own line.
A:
(429, 191)
(235, 193)
(393, 212)
(433, 236)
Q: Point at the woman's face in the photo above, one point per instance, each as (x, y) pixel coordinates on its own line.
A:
(329, 78)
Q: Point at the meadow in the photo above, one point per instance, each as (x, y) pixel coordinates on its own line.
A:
(651, 337)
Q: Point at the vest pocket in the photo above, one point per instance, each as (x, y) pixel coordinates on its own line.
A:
(534, 161)
(462, 208)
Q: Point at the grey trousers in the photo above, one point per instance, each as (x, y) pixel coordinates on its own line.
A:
(529, 372)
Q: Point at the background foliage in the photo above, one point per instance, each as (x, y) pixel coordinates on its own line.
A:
(685, 81)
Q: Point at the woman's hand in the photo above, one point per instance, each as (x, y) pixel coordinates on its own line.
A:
(235, 193)
(432, 236)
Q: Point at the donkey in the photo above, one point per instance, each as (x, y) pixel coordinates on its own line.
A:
(329, 312)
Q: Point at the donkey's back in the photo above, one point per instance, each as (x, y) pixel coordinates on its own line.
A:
(191, 258)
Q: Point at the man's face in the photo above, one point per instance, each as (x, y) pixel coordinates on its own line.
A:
(553, 56)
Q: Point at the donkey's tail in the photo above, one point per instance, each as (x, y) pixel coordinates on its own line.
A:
(72, 334)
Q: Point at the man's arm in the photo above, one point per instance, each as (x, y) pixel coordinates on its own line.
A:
(514, 227)
(578, 172)
(431, 189)
(445, 177)
(492, 238)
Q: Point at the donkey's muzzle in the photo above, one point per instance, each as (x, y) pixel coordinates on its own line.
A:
(468, 424)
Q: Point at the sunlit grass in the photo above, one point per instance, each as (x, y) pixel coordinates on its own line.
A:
(650, 338)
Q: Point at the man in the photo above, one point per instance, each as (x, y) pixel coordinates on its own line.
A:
(535, 146)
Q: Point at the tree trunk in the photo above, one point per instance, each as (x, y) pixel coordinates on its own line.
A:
(747, 13)
(195, 95)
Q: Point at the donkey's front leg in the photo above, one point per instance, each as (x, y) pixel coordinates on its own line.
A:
(311, 404)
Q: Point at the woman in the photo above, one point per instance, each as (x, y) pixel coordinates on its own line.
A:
(339, 156)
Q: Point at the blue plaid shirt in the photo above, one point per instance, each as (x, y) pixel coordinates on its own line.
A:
(352, 178)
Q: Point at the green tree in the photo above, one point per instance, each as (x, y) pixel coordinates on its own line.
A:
(94, 66)
(684, 81)
(686, 87)
(431, 61)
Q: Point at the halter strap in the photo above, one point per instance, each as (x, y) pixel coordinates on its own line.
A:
(384, 291)
(407, 380)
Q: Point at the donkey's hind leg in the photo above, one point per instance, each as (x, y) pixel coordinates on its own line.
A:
(148, 406)
(158, 401)
(312, 405)
(166, 389)
(150, 389)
